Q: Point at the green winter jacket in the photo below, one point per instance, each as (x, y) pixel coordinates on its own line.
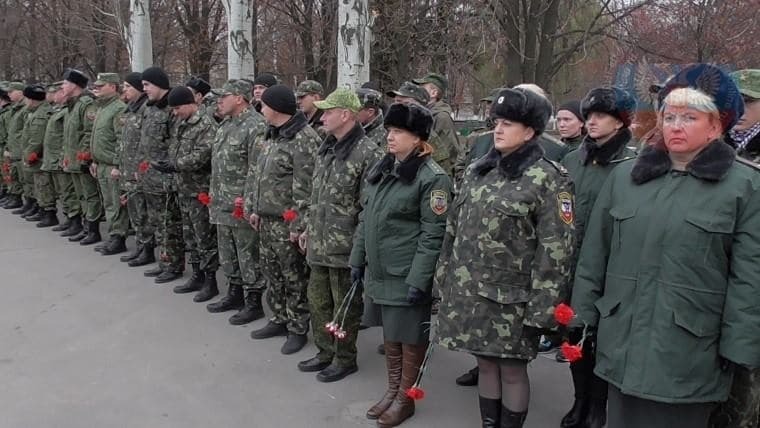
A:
(33, 135)
(53, 142)
(77, 132)
(107, 131)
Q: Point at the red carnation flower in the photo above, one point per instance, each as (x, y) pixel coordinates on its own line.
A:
(563, 314)
(143, 167)
(86, 156)
(33, 158)
(238, 211)
(573, 353)
(290, 215)
(415, 393)
(204, 199)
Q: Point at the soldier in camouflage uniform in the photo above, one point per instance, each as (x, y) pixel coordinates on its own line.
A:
(5, 104)
(507, 257)
(308, 93)
(235, 150)
(443, 122)
(32, 138)
(279, 194)
(15, 124)
(105, 147)
(260, 84)
(371, 116)
(190, 161)
(160, 191)
(201, 89)
(477, 144)
(339, 176)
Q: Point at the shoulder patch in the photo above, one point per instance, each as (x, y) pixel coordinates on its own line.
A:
(90, 114)
(565, 203)
(439, 202)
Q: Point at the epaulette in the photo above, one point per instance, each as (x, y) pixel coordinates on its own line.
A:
(627, 158)
(558, 166)
(748, 162)
(437, 170)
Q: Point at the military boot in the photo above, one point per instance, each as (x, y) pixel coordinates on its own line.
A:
(252, 310)
(402, 407)
(62, 226)
(470, 378)
(93, 233)
(146, 257)
(75, 226)
(167, 276)
(23, 208)
(597, 414)
(33, 208)
(510, 419)
(133, 255)
(490, 412)
(195, 282)
(233, 300)
(393, 355)
(155, 272)
(209, 289)
(85, 228)
(12, 202)
(577, 414)
(116, 245)
(49, 219)
(36, 215)
(3, 195)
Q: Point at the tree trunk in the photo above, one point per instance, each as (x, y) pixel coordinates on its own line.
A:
(240, 62)
(139, 39)
(546, 47)
(353, 43)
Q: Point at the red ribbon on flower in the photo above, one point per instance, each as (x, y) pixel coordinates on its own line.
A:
(143, 167)
(415, 393)
(84, 156)
(238, 211)
(65, 162)
(204, 199)
(6, 167)
(563, 314)
(32, 158)
(290, 215)
(573, 353)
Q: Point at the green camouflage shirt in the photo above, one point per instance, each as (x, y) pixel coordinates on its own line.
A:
(77, 130)
(16, 122)
(154, 146)
(190, 151)
(107, 131)
(444, 137)
(376, 132)
(33, 134)
(53, 142)
(130, 142)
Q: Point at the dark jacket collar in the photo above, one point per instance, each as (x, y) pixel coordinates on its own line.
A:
(316, 119)
(289, 129)
(135, 105)
(162, 103)
(375, 123)
(607, 152)
(513, 165)
(406, 169)
(343, 147)
(711, 164)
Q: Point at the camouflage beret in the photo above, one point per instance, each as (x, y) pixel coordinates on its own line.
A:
(748, 82)
(236, 87)
(340, 98)
(15, 86)
(309, 87)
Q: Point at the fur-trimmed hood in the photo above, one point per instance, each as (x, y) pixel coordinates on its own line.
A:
(711, 164)
(513, 165)
(607, 152)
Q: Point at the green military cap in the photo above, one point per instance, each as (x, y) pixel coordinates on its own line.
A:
(3, 85)
(16, 86)
(104, 78)
(491, 95)
(54, 87)
(236, 87)
(340, 98)
(411, 90)
(309, 87)
(370, 98)
(435, 79)
(748, 82)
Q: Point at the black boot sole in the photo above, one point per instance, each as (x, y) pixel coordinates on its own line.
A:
(247, 318)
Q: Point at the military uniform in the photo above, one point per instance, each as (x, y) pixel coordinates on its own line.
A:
(444, 138)
(309, 87)
(18, 113)
(573, 143)
(283, 181)
(33, 137)
(63, 186)
(131, 157)
(374, 130)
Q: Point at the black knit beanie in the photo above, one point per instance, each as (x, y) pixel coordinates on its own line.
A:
(265, 79)
(573, 107)
(181, 95)
(156, 76)
(280, 98)
(135, 80)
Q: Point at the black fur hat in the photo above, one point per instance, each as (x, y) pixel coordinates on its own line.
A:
(611, 100)
(76, 77)
(413, 118)
(199, 85)
(35, 92)
(523, 106)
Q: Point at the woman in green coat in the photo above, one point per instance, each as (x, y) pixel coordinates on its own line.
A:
(398, 239)
(507, 257)
(668, 273)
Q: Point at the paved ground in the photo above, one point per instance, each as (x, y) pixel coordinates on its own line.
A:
(86, 341)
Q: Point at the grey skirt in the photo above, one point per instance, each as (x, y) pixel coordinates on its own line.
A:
(626, 411)
(406, 324)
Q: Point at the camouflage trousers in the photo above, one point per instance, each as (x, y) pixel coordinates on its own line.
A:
(239, 257)
(63, 186)
(164, 215)
(287, 273)
(14, 181)
(26, 175)
(199, 234)
(137, 208)
(87, 190)
(742, 410)
(117, 216)
(45, 190)
(327, 288)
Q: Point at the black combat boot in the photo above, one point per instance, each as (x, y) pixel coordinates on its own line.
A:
(146, 257)
(82, 233)
(195, 282)
(510, 419)
(12, 202)
(272, 329)
(251, 311)
(75, 226)
(93, 233)
(36, 214)
(62, 226)
(490, 412)
(155, 272)
(469, 379)
(28, 204)
(233, 300)
(116, 245)
(49, 219)
(133, 255)
(167, 276)
(209, 289)
(597, 414)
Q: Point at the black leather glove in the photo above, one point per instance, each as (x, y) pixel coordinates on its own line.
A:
(357, 275)
(85, 168)
(165, 166)
(530, 331)
(415, 296)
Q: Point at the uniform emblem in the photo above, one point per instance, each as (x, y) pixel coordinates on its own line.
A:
(122, 120)
(565, 207)
(439, 202)
(90, 115)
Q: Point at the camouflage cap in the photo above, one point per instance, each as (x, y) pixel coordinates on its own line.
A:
(748, 82)
(104, 78)
(491, 95)
(340, 98)
(309, 87)
(411, 90)
(435, 79)
(54, 87)
(370, 98)
(3, 85)
(15, 86)
(236, 87)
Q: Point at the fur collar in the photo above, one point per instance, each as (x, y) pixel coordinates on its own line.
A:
(711, 164)
(607, 152)
(406, 170)
(513, 165)
(135, 105)
(289, 129)
(162, 103)
(344, 147)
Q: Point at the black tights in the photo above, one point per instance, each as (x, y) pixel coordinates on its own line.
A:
(506, 379)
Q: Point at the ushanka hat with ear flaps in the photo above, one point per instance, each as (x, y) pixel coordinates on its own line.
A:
(711, 81)
(523, 106)
(410, 117)
(35, 92)
(611, 100)
(76, 77)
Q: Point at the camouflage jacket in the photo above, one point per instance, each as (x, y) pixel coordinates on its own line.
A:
(77, 130)
(573, 143)
(5, 113)
(339, 177)
(190, 151)
(53, 142)
(33, 135)
(375, 131)
(316, 123)
(443, 137)
(508, 254)
(130, 142)
(14, 141)
(154, 146)
(107, 131)
(283, 174)
(235, 150)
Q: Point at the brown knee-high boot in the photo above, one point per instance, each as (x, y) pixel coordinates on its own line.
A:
(402, 407)
(393, 363)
